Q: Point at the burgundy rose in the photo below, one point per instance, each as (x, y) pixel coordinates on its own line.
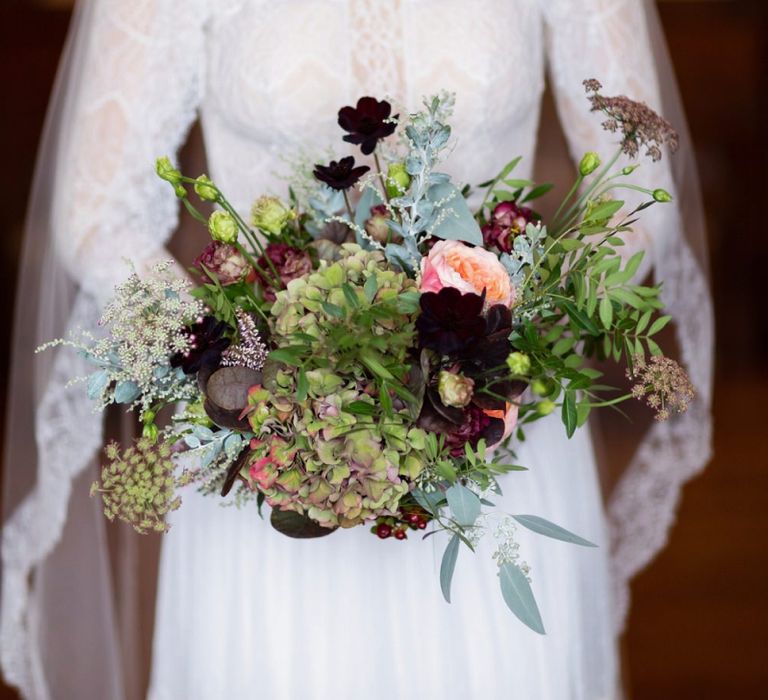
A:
(289, 262)
(507, 221)
(223, 260)
(477, 424)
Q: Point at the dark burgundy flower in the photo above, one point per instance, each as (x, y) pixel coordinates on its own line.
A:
(340, 175)
(289, 262)
(223, 260)
(450, 321)
(507, 221)
(367, 123)
(477, 424)
(208, 343)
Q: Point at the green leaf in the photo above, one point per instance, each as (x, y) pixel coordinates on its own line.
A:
(465, 505)
(544, 527)
(606, 312)
(333, 309)
(350, 296)
(569, 413)
(385, 399)
(518, 596)
(658, 324)
(448, 566)
(537, 192)
(653, 348)
(605, 210)
(360, 408)
(370, 288)
(372, 363)
(509, 167)
(568, 244)
(408, 302)
(302, 385)
(518, 182)
(289, 355)
(642, 324)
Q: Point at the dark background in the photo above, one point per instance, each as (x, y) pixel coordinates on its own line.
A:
(699, 621)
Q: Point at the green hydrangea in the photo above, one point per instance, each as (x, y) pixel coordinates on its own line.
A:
(349, 446)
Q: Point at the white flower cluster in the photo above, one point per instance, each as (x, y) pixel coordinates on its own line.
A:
(508, 549)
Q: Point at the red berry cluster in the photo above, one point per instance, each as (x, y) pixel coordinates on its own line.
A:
(398, 526)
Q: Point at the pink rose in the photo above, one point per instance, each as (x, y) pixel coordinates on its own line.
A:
(470, 270)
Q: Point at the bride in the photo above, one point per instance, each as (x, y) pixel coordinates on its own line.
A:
(241, 611)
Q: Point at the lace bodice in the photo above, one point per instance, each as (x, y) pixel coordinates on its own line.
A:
(266, 79)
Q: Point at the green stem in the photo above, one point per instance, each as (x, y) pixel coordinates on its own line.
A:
(571, 192)
(382, 177)
(349, 206)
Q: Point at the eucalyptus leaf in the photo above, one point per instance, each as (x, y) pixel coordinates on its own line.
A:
(97, 382)
(542, 526)
(126, 392)
(465, 505)
(519, 598)
(448, 566)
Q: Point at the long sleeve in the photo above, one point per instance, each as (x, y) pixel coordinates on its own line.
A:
(620, 43)
(139, 86)
(609, 40)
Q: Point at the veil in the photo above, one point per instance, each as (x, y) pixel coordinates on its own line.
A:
(71, 616)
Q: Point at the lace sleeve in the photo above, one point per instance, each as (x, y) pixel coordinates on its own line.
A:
(620, 43)
(129, 83)
(139, 90)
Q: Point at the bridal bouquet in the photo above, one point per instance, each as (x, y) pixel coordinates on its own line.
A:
(358, 353)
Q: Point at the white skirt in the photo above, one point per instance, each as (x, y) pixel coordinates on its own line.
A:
(244, 612)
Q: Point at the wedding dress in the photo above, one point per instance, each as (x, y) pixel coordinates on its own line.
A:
(242, 611)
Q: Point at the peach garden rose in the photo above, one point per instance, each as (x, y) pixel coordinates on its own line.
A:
(470, 270)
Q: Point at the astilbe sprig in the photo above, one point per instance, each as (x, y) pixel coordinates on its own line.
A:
(138, 485)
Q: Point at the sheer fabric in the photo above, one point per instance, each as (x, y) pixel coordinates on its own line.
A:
(266, 77)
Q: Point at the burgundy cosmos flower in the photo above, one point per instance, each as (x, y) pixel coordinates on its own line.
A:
(367, 123)
(450, 321)
(290, 263)
(507, 221)
(208, 343)
(340, 175)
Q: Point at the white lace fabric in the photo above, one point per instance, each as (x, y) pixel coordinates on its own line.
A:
(267, 78)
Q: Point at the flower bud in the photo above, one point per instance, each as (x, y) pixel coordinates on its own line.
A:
(519, 363)
(204, 188)
(398, 180)
(589, 163)
(454, 389)
(180, 191)
(222, 227)
(270, 215)
(542, 387)
(376, 225)
(166, 171)
(629, 169)
(150, 431)
(662, 195)
(545, 407)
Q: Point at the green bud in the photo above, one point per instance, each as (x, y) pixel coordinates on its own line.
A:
(166, 171)
(180, 190)
(454, 389)
(545, 407)
(662, 196)
(589, 163)
(629, 169)
(204, 189)
(398, 180)
(519, 363)
(222, 227)
(541, 387)
(270, 215)
(150, 431)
